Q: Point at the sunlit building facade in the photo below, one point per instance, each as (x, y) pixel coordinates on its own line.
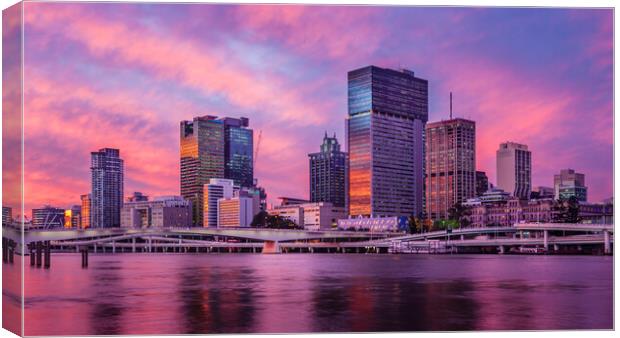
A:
(450, 165)
(163, 211)
(85, 212)
(202, 158)
(235, 212)
(73, 217)
(216, 188)
(107, 188)
(388, 110)
(514, 169)
(327, 173)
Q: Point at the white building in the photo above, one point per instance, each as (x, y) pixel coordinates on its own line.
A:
(378, 224)
(216, 188)
(312, 216)
(164, 211)
(235, 212)
(514, 169)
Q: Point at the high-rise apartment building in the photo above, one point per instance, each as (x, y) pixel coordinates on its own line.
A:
(569, 183)
(388, 110)
(85, 212)
(450, 165)
(107, 188)
(213, 147)
(327, 173)
(216, 188)
(514, 169)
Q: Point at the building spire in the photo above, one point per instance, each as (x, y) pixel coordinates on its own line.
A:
(450, 105)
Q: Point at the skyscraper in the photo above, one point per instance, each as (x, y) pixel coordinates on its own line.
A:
(388, 110)
(106, 168)
(238, 151)
(202, 158)
(450, 165)
(213, 147)
(327, 173)
(514, 169)
(569, 183)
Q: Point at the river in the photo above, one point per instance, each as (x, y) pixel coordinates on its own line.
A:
(239, 293)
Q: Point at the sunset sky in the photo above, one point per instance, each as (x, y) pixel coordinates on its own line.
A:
(124, 75)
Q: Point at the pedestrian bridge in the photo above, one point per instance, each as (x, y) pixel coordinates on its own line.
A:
(253, 234)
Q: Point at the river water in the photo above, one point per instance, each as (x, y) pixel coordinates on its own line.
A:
(239, 293)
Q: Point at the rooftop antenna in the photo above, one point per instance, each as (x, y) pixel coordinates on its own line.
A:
(450, 105)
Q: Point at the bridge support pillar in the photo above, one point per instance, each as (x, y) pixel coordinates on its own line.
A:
(546, 240)
(501, 250)
(607, 244)
(133, 244)
(94, 247)
(150, 249)
(39, 256)
(462, 237)
(556, 247)
(84, 252)
(113, 246)
(47, 255)
(5, 250)
(32, 255)
(271, 247)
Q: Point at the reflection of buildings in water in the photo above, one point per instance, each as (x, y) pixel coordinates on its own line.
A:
(215, 301)
(384, 304)
(108, 299)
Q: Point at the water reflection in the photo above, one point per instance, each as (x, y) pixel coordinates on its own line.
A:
(202, 294)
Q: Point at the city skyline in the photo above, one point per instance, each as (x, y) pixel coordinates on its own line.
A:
(123, 94)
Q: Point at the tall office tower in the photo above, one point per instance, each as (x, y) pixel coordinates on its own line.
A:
(388, 110)
(482, 183)
(202, 158)
(514, 169)
(568, 183)
(450, 165)
(85, 216)
(216, 188)
(327, 173)
(238, 151)
(106, 169)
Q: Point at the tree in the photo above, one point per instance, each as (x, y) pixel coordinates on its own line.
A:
(415, 225)
(460, 214)
(260, 220)
(566, 210)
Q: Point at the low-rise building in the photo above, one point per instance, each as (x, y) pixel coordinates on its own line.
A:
(235, 212)
(312, 216)
(7, 215)
(48, 217)
(164, 211)
(375, 224)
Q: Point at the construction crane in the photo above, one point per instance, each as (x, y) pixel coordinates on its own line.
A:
(260, 134)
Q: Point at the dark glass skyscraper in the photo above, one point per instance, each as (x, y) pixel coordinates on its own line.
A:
(213, 147)
(388, 110)
(238, 151)
(327, 173)
(106, 168)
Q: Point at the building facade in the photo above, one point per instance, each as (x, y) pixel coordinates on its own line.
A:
(216, 188)
(482, 183)
(163, 211)
(235, 212)
(540, 192)
(73, 217)
(569, 183)
(327, 173)
(213, 147)
(85, 212)
(450, 165)
(48, 217)
(312, 216)
(514, 169)
(375, 224)
(238, 151)
(107, 188)
(7, 215)
(387, 113)
(202, 158)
